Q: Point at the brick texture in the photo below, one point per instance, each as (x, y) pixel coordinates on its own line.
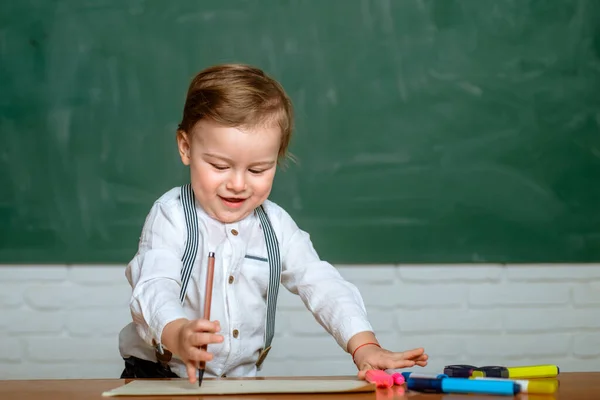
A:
(63, 321)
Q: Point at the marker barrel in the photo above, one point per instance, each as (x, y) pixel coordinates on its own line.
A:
(536, 386)
(460, 385)
(534, 371)
(426, 385)
(407, 375)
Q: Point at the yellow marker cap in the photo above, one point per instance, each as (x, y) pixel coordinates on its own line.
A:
(477, 374)
(533, 371)
(539, 386)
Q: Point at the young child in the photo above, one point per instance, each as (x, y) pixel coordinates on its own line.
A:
(236, 127)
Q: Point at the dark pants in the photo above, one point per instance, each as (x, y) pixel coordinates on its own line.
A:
(138, 368)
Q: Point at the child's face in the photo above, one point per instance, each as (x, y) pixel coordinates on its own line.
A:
(232, 169)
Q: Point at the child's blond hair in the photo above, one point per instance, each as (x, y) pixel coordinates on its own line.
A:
(238, 95)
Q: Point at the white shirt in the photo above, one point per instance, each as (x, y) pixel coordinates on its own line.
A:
(155, 277)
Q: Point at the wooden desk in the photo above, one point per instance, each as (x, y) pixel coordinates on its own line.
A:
(573, 386)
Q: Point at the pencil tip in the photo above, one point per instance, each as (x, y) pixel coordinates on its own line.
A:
(200, 376)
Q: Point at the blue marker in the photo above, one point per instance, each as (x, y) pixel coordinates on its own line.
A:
(421, 376)
(459, 385)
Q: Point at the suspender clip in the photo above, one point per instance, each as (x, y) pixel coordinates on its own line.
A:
(262, 356)
(163, 356)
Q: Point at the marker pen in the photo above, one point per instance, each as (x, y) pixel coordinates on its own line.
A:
(408, 374)
(533, 371)
(460, 385)
(459, 370)
(524, 372)
(538, 386)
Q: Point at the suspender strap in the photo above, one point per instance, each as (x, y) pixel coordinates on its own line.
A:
(163, 355)
(274, 257)
(191, 244)
(274, 278)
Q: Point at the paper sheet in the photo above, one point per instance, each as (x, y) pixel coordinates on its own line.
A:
(237, 386)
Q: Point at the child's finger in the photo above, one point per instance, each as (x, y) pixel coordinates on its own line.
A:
(191, 371)
(414, 353)
(197, 354)
(200, 339)
(410, 355)
(203, 325)
(397, 364)
(422, 361)
(362, 374)
(423, 357)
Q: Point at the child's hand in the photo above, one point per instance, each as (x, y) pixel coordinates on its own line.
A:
(187, 338)
(373, 357)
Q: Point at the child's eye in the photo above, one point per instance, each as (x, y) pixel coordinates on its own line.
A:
(257, 171)
(219, 167)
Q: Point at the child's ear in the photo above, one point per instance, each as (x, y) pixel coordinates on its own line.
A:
(183, 144)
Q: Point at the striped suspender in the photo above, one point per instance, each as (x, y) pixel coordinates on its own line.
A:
(274, 277)
(191, 244)
(189, 256)
(191, 250)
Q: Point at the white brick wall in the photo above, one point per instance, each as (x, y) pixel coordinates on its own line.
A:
(63, 321)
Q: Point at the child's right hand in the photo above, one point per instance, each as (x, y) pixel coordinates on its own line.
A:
(185, 338)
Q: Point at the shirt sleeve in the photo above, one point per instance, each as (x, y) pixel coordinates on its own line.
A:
(155, 273)
(334, 302)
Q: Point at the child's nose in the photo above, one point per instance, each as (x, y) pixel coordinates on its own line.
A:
(237, 183)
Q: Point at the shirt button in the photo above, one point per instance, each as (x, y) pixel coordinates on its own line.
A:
(234, 232)
(236, 333)
(231, 279)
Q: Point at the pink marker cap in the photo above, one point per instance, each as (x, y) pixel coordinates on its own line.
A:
(396, 376)
(379, 378)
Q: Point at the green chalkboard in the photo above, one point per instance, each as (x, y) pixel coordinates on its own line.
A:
(428, 131)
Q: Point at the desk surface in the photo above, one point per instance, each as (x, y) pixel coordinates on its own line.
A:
(573, 385)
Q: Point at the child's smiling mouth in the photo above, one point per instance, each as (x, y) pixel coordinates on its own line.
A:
(232, 202)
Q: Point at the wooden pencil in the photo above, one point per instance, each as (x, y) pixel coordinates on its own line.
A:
(210, 273)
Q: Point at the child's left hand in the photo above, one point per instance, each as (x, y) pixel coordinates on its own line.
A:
(373, 357)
